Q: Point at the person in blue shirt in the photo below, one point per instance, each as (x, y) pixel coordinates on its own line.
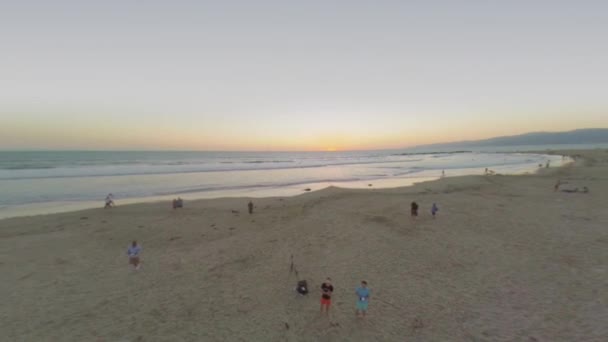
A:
(362, 298)
(133, 253)
(434, 209)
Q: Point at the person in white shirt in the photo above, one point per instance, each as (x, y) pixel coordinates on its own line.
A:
(133, 253)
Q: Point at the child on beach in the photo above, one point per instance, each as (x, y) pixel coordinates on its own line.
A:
(327, 289)
(362, 293)
(434, 209)
(133, 253)
(250, 207)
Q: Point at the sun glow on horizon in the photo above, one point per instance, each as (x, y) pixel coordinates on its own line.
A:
(207, 76)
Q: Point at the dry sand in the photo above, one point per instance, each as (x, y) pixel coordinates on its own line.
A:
(507, 259)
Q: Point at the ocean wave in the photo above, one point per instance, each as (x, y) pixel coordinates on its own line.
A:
(27, 167)
(255, 186)
(145, 170)
(429, 153)
(267, 161)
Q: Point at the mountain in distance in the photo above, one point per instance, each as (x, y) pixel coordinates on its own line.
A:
(579, 136)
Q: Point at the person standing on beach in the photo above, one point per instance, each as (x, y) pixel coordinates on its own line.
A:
(434, 209)
(250, 207)
(414, 209)
(326, 289)
(133, 253)
(362, 293)
(557, 184)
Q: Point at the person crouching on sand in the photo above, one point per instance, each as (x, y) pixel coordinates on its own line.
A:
(362, 293)
(109, 201)
(327, 289)
(133, 253)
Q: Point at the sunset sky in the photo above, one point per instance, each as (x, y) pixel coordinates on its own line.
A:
(296, 75)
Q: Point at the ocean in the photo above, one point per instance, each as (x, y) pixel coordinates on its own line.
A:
(55, 181)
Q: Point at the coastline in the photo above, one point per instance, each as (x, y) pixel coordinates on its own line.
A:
(264, 190)
(507, 258)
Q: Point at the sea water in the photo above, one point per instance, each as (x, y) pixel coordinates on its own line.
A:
(54, 181)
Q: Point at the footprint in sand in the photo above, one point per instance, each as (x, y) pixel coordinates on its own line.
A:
(60, 261)
(26, 276)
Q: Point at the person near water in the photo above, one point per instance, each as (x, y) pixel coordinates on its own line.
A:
(133, 253)
(434, 209)
(414, 209)
(178, 203)
(250, 207)
(362, 293)
(109, 201)
(326, 291)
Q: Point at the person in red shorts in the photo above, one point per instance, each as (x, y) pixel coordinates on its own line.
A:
(327, 289)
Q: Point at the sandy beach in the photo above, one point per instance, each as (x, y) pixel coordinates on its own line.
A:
(506, 259)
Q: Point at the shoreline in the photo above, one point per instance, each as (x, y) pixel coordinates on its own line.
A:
(59, 207)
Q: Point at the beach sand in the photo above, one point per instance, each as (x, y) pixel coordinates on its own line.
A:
(506, 259)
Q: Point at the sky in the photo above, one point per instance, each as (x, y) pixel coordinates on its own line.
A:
(296, 75)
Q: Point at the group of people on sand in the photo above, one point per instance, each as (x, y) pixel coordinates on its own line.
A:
(175, 203)
(327, 289)
(178, 203)
(362, 292)
(414, 209)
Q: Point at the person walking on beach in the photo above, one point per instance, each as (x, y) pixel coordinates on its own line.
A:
(434, 209)
(250, 207)
(414, 209)
(133, 253)
(557, 184)
(326, 289)
(362, 293)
